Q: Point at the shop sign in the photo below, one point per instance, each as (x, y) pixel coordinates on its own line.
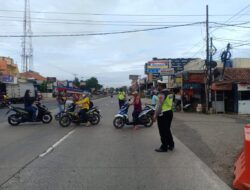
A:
(167, 72)
(191, 86)
(221, 87)
(243, 87)
(62, 83)
(8, 79)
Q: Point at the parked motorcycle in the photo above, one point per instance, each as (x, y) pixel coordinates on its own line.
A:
(186, 108)
(72, 116)
(21, 115)
(145, 117)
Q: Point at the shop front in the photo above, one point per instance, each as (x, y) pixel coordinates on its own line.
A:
(243, 98)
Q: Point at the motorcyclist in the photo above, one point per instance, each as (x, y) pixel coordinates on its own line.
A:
(84, 103)
(28, 104)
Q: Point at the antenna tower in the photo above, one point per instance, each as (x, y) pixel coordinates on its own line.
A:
(27, 50)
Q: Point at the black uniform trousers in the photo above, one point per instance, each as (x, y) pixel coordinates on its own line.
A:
(121, 103)
(164, 124)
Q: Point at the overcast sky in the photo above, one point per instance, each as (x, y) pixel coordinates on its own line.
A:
(111, 58)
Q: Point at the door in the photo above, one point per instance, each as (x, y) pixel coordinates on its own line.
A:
(244, 102)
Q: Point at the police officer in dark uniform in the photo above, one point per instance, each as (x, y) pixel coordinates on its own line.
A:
(164, 116)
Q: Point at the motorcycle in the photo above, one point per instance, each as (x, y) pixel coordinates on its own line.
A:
(186, 108)
(21, 115)
(145, 117)
(72, 116)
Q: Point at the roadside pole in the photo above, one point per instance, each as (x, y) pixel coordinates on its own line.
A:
(207, 62)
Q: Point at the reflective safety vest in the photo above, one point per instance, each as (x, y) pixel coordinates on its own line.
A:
(121, 95)
(168, 103)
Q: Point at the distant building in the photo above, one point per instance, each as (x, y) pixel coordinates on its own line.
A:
(32, 75)
(165, 68)
(7, 66)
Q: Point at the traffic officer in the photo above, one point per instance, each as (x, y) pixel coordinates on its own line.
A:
(121, 97)
(164, 116)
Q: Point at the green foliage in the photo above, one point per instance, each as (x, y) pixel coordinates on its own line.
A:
(76, 82)
(93, 83)
(43, 87)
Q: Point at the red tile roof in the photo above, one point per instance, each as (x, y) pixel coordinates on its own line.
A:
(237, 75)
(34, 75)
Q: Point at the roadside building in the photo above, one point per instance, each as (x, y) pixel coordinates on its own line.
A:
(8, 73)
(230, 90)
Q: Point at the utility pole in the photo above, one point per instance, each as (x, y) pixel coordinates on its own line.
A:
(207, 62)
(27, 50)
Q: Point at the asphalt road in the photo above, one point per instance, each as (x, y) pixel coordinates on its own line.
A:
(99, 157)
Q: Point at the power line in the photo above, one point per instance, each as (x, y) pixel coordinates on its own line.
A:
(105, 33)
(109, 14)
(232, 25)
(244, 44)
(236, 14)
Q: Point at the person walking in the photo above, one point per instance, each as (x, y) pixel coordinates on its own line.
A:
(137, 109)
(121, 97)
(61, 99)
(154, 99)
(164, 116)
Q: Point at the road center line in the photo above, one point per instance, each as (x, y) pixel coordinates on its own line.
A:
(56, 144)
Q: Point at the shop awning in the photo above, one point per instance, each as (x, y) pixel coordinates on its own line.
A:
(222, 86)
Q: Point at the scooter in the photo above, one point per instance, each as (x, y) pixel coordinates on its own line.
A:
(145, 117)
(21, 115)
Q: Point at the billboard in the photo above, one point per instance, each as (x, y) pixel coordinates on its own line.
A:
(133, 77)
(155, 66)
(51, 79)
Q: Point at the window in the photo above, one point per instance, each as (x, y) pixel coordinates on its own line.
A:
(244, 95)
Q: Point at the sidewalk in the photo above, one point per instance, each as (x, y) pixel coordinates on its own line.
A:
(216, 139)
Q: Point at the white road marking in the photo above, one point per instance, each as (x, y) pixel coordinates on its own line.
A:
(56, 144)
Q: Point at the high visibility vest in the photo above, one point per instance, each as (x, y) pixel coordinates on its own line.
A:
(121, 95)
(168, 103)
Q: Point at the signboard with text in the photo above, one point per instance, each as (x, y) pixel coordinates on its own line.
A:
(167, 72)
(155, 66)
(133, 77)
(8, 79)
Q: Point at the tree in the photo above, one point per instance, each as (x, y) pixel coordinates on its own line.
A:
(43, 87)
(93, 83)
(76, 82)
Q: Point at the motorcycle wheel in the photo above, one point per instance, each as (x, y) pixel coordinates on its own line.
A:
(13, 120)
(149, 122)
(118, 122)
(95, 119)
(46, 118)
(65, 121)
